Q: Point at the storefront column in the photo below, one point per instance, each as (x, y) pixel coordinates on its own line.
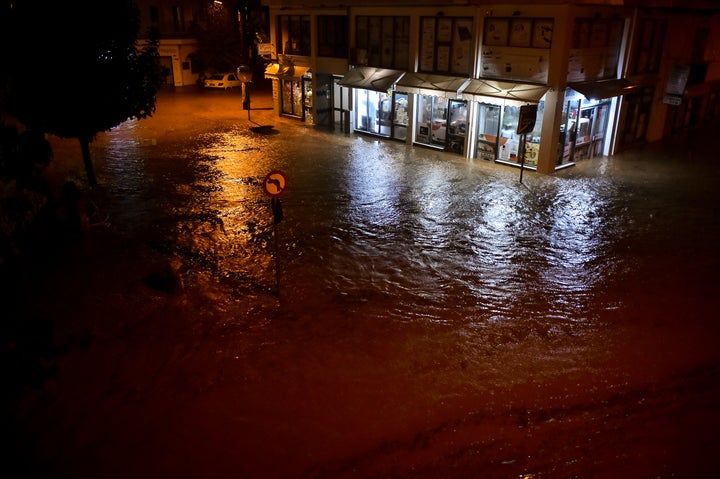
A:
(410, 138)
(557, 78)
(276, 96)
(550, 132)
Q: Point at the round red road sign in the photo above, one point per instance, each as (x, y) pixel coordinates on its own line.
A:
(275, 183)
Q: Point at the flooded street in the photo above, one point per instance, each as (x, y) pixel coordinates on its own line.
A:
(414, 314)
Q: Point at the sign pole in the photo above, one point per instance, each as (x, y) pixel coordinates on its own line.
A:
(246, 87)
(277, 261)
(522, 155)
(276, 207)
(274, 184)
(526, 123)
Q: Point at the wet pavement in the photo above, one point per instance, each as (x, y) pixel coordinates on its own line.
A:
(414, 314)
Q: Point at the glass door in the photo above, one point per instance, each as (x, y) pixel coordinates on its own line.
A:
(431, 121)
(598, 132)
(509, 139)
(383, 116)
(400, 116)
(292, 98)
(488, 132)
(373, 112)
(568, 134)
(456, 126)
(438, 128)
(308, 98)
(365, 109)
(584, 133)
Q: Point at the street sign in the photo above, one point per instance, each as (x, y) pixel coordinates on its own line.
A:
(275, 183)
(526, 122)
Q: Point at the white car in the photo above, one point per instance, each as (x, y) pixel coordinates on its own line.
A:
(223, 80)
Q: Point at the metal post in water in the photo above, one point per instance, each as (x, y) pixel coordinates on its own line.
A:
(522, 155)
(246, 88)
(274, 184)
(276, 207)
(526, 123)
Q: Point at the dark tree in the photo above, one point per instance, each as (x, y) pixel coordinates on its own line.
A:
(75, 68)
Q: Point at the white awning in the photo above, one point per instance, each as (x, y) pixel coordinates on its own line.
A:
(429, 84)
(286, 72)
(602, 89)
(369, 78)
(518, 93)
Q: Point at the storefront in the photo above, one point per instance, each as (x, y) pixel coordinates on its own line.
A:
(441, 113)
(378, 109)
(294, 84)
(472, 117)
(496, 107)
(587, 118)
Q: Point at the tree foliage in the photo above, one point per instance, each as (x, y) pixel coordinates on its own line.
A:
(75, 68)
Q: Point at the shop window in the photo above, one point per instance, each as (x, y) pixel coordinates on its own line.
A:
(292, 98)
(488, 141)
(323, 100)
(595, 48)
(446, 44)
(294, 33)
(635, 124)
(509, 139)
(154, 15)
(431, 124)
(308, 97)
(456, 126)
(178, 18)
(374, 112)
(509, 144)
(504, 39)
(332, 36)
(382, 41)
(649, 49)
(400, 115)
(583, 128)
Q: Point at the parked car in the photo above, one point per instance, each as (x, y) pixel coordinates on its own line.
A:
(223, 80)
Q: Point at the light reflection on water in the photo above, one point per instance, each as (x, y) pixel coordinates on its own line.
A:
(373, 228)
(428, 296)
(372, 231)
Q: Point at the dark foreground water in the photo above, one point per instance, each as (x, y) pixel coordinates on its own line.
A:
(414, 314)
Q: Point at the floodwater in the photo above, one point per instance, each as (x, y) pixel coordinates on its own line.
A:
(414, 314)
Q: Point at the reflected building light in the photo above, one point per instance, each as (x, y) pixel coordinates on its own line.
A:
(374, 186)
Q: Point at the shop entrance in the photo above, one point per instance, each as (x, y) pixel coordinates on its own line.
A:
(373, 112)
(488, 132)
(291, 100)
(457, 126)
(167, 63)
(441, 123)
(381, 113)
(324, 101)
(582, 134)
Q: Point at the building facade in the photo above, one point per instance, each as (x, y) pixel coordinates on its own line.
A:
(535, 85)
(171, 21)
